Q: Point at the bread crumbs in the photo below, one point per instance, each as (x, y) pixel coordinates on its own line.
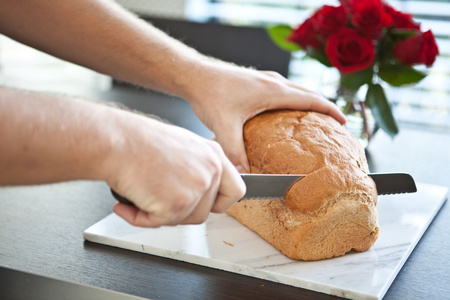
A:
(229, 244)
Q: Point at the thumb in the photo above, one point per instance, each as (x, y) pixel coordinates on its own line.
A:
(232, 143)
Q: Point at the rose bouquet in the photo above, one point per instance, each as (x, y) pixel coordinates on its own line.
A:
(368, 42)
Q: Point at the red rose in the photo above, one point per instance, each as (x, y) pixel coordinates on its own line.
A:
(349, 51)
(353, 2)
(418, 49)
(306, 36)
(400, 19)
(369, 18)
(329, 19)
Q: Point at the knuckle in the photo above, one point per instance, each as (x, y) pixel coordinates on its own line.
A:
(240, 192)
(182, 203)
(215, 147)
(215, 159)
(275, 86)
(273, 74)
(203, 184)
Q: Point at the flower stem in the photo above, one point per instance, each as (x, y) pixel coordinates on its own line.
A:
(346, 109)
(365, 123)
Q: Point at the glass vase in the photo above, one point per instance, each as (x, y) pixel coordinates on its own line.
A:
(360, 121)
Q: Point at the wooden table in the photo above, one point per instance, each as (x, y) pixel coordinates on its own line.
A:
(43, 255)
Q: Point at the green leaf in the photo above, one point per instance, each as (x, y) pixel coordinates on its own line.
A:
(381, 109)
(320, 56)
(398, 74)
(355, 80)
(279, 35)
(399, 34)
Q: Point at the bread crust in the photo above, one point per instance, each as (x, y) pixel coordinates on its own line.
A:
(328, 213)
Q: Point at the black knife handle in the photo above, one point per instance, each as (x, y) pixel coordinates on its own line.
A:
(121, 198)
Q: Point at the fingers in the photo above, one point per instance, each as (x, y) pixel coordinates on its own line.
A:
(327, 107)
(231, 189)
(320, 104)
(221, 190)
(222, 194)
(137, 217)
(314, 102)
(233, 139)
(302, 98)
(237, 154)
(219, 198)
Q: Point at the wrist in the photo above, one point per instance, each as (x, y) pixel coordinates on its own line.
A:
(129, 137)
(112, 143)
(100, 141)
(205, 81)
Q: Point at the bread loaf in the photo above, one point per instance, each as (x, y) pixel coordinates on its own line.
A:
(328, 213)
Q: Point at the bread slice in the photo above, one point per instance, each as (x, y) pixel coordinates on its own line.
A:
(328, 213)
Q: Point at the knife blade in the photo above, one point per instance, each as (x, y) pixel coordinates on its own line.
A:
(276, 186)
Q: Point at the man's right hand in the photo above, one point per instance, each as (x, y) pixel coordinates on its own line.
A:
(172, 175)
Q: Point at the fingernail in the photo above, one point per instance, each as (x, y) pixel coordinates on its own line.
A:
(243, 168)
(240, 169)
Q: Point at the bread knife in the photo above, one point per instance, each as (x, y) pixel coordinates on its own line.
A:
(276, 186)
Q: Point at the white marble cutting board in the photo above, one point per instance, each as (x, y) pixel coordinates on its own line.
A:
(223, 243)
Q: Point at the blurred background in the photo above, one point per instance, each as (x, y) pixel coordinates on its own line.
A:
(424, 106)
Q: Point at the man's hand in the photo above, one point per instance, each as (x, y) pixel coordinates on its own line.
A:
(226, 96)
(172, 175)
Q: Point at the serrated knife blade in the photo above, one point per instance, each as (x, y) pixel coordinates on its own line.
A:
(268, 186)
(276, 186)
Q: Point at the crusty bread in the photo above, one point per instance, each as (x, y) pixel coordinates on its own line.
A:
(330, 211)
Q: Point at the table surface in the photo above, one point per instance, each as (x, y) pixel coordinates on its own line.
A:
(41, 231)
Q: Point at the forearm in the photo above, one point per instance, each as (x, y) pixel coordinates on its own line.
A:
(47, 138)
(104, 37)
